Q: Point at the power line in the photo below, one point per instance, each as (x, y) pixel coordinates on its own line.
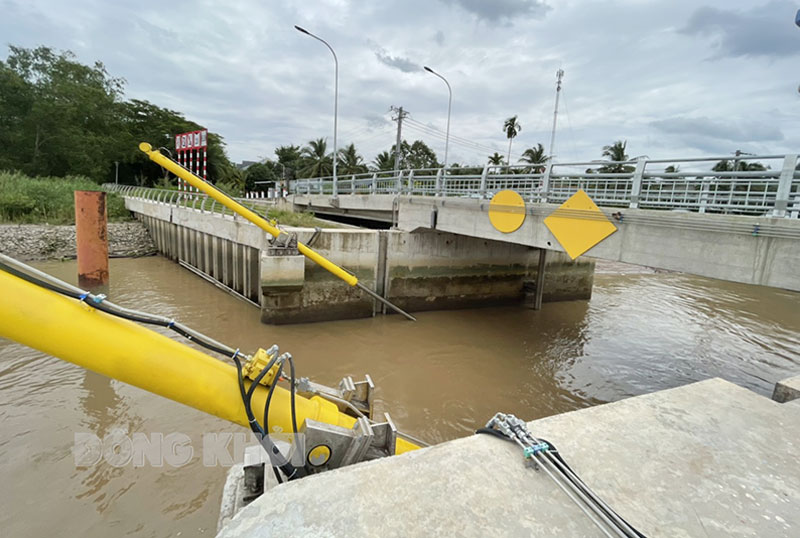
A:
(463, 143)
(452, 136)
(463, 146)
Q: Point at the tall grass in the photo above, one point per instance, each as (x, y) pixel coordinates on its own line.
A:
(30, 200)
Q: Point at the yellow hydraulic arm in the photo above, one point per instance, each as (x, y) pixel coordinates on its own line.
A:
(76, 332)
(233, 205)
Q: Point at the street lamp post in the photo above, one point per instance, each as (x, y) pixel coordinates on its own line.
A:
(449, 106)
(335, 102)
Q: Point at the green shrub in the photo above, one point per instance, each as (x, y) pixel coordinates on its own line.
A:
(25, 199)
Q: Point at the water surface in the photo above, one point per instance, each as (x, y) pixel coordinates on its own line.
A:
(440, 378)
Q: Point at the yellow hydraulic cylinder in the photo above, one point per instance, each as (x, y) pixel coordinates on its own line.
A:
(75, 332)
(236, 207)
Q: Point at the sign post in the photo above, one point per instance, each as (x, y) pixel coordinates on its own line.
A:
(192, 152)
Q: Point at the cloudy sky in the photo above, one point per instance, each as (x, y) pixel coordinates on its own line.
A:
(672, 77)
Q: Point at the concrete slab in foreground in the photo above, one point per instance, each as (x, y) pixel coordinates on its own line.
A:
(707, 459)
(787, 390)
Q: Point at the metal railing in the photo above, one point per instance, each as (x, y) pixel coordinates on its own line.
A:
(643, 183)
(192, 200)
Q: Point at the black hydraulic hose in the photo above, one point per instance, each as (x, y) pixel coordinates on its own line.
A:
(110, 310)
(258, 379)
(269, 397)
(292, 381)
(272, 450)
(296, 472)
(492, 431)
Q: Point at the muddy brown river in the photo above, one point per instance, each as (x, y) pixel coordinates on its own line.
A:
(440, 378)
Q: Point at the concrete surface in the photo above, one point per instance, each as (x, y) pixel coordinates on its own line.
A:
(708, 459)
(787, 390)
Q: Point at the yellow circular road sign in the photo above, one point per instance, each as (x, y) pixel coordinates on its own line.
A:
(507, 211)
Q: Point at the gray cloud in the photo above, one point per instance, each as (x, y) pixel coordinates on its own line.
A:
(395, 62)
(497, 10)
(763, 31)
(245, 73)
(740, 131)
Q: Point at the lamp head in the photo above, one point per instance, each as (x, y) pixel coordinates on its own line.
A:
(428, 69)
(301, 29)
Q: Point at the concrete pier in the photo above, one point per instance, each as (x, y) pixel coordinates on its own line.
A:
(416, 271)
(706, 459)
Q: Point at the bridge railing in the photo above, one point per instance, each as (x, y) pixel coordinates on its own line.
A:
(192, 200)
(642, 183)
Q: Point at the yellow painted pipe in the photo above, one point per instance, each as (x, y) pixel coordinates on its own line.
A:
(75, 332)
(236, 207)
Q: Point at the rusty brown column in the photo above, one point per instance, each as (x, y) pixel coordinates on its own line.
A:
(91, 238)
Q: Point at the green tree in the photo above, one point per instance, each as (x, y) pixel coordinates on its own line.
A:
(290, 159)
(416, 155)
(350, 162)
(616, 154)
(259, 172)
(384, 161)
(535, 156)
(65, 116)
(316, 161)
(511, 127)
(496, 159)
(59, 117)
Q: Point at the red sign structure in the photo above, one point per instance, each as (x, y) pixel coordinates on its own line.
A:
(190, 147)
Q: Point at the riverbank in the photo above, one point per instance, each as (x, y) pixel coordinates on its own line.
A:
(29, 242)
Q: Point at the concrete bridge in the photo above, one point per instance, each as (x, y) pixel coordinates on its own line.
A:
(426, 270)
(740, 226)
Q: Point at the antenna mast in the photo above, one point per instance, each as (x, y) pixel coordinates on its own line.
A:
(559, 76)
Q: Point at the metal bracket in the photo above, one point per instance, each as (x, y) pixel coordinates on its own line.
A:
(349, 394)
(314, 236)
(283, 245)
(344, 446)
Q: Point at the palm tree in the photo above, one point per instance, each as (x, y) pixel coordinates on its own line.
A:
(316, 162)
(535, 155)
(616, 153)
(742, 166)
(383, 161)
(350, 162)
(496, 158)
(511, 127)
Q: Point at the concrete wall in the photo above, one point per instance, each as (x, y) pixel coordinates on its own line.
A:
(752, 250)
(429, 270)
(233, 264)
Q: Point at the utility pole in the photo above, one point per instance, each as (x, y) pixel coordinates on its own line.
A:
(738, 153)
(399, 119)
(559, 76)
(116, 173)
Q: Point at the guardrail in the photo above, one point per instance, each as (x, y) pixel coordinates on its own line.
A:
(771, 192)
(193, 200)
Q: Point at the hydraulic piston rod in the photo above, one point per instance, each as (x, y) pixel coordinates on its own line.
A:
(165, 162)
(78, 333)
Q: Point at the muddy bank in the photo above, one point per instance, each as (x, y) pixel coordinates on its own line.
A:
(46, 242)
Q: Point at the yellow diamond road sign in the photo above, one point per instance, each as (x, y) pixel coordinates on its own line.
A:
(578, 224)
